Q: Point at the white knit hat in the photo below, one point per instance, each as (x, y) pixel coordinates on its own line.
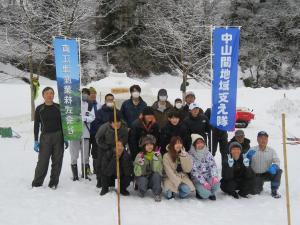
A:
(195, 137)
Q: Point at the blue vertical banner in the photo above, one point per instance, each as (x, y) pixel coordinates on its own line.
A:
(225, 73)
(68, 85)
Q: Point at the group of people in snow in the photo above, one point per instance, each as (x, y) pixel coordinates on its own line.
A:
(167, 148)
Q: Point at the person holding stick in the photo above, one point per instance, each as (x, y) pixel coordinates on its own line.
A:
(105, 138)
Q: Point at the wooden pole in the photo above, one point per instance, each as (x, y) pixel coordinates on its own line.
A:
(118, 163)
(286, 171)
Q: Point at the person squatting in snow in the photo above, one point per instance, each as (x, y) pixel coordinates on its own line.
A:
(168, 149)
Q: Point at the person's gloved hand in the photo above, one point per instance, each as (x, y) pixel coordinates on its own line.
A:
(230, 160)
(36, 146)
(273, 169)
(250, 153)
(246, 160)
(214, 181)
(66, 143)
(207, 186)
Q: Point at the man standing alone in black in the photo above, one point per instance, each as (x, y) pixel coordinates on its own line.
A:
(51, 141)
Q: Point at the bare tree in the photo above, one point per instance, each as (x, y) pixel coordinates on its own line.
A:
(30, 26)
(179, 31)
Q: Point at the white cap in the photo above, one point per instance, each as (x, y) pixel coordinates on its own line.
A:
(193, 106)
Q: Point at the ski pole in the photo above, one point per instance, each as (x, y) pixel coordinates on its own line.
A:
(286, 171)
(118, 163)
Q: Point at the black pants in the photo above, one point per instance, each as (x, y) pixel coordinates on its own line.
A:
(260, 179)
(222, 145)
(98, 164)
(51, 145)
(93, 148)
(109, 181)
(245, 185)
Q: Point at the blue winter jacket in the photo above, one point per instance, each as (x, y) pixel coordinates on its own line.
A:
(130, 112)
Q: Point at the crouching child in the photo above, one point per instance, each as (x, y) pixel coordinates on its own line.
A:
(148, 168)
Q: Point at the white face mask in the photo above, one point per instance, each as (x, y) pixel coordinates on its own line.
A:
(84, 97)
(135, 94)
(178, 105)
(163, 98)
(109, 104)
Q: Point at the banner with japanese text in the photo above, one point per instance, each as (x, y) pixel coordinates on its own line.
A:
(68, 85)
(225, 72)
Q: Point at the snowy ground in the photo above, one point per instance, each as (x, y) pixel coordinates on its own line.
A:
(80, 203)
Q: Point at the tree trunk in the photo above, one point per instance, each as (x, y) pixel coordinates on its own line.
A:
(31, 79)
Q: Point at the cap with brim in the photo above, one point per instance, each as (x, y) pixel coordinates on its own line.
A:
(193, 106)
(262, 133)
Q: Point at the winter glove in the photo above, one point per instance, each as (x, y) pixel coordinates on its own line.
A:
(66, 143)
(250, 153)
(273, 169)
(207, 186)
(36, 146)
(230, 160)
(214, 181)
(246, 160)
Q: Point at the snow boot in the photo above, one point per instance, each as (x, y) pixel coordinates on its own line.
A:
(75, 172)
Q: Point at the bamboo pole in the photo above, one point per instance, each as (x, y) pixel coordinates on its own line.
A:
(286, 171)
(118, 163)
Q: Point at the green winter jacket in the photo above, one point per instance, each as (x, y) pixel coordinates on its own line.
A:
(145, 167)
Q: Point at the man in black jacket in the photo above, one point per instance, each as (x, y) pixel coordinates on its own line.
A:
(105, 138)
(173, 128)
(197, 123)
(146, 124)
(237, 173)
(239, 137)
(109, 169)
(102, 117)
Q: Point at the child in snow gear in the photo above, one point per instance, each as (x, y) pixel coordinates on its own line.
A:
(204, 173)
(148, 168)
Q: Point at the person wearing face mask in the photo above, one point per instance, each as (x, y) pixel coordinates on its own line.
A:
(237, 174)
(162, 107)
(178, 107)
(82, 145)
(132, 108)
(102, 116)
